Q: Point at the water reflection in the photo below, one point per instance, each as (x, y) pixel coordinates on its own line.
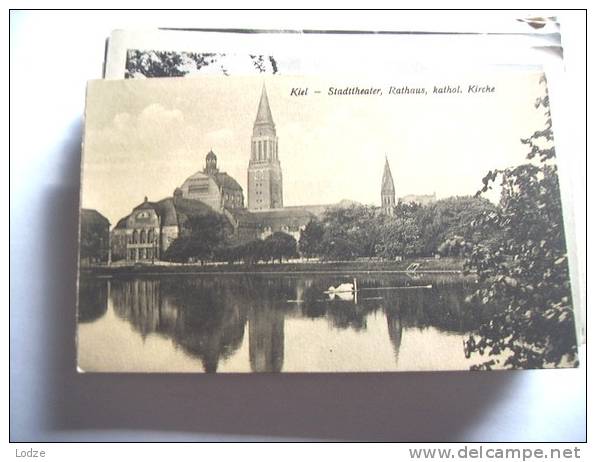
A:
(208, 317)
(93, 299)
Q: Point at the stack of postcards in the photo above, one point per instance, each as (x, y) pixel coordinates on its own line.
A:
(307, 201)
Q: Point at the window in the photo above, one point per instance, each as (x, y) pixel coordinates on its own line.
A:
(135, 236)
(199, 185)
(143, 236)
(150, 236)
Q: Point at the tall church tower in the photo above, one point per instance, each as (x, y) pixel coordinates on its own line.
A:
(387, 191)
(265, 185)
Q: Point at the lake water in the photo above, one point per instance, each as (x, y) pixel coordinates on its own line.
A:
(273, 323)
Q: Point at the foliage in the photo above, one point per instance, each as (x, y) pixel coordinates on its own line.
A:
(165, 63)
(447, 219)
(179, 250)
(94, 239)
(279, 245)
(200, 236)
(311, 239)
(401, 236)
(526, 272)
(276, 247)
(455, 246)
(345, 233)
(141, 63)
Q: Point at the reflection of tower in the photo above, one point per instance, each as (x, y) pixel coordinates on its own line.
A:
(138, 302)
(387, 191)
(266, 339)
(265, 185)
(395, 329)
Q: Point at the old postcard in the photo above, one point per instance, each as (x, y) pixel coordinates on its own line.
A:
(184, 53)
(301, 224)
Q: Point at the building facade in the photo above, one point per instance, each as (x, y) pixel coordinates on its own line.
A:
(216, 189)
(264, 180)
(148, 231)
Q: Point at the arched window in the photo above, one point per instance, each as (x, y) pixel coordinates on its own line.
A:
(150, 236)
(135, 236)
(143, 236)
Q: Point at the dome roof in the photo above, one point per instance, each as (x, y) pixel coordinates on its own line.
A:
(211, 156)
(194, 176)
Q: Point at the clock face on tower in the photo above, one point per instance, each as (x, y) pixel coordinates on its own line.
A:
(259, 175)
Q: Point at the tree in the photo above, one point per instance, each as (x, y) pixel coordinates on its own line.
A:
(279, 245)
(527, 272)
(343, 233)
(201, 235)
(253, 251)
(449, 218)
(400, 237)
(311, 238)
(141, 63)
(153, 63)
(94, 237)
(455, 246)
(178, 251)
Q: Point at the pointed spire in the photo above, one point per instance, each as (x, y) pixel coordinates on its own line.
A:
(264, 113)
(387, 182)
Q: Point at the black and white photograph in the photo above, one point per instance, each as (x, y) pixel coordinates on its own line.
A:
(299, 224)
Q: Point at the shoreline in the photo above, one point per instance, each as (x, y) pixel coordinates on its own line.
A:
(426, 266)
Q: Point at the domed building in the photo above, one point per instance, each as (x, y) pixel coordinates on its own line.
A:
(216, 189)
(147, 232)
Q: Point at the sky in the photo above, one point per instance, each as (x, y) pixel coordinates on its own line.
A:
(145, 137)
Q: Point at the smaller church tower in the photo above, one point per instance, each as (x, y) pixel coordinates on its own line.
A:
(387, 191)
